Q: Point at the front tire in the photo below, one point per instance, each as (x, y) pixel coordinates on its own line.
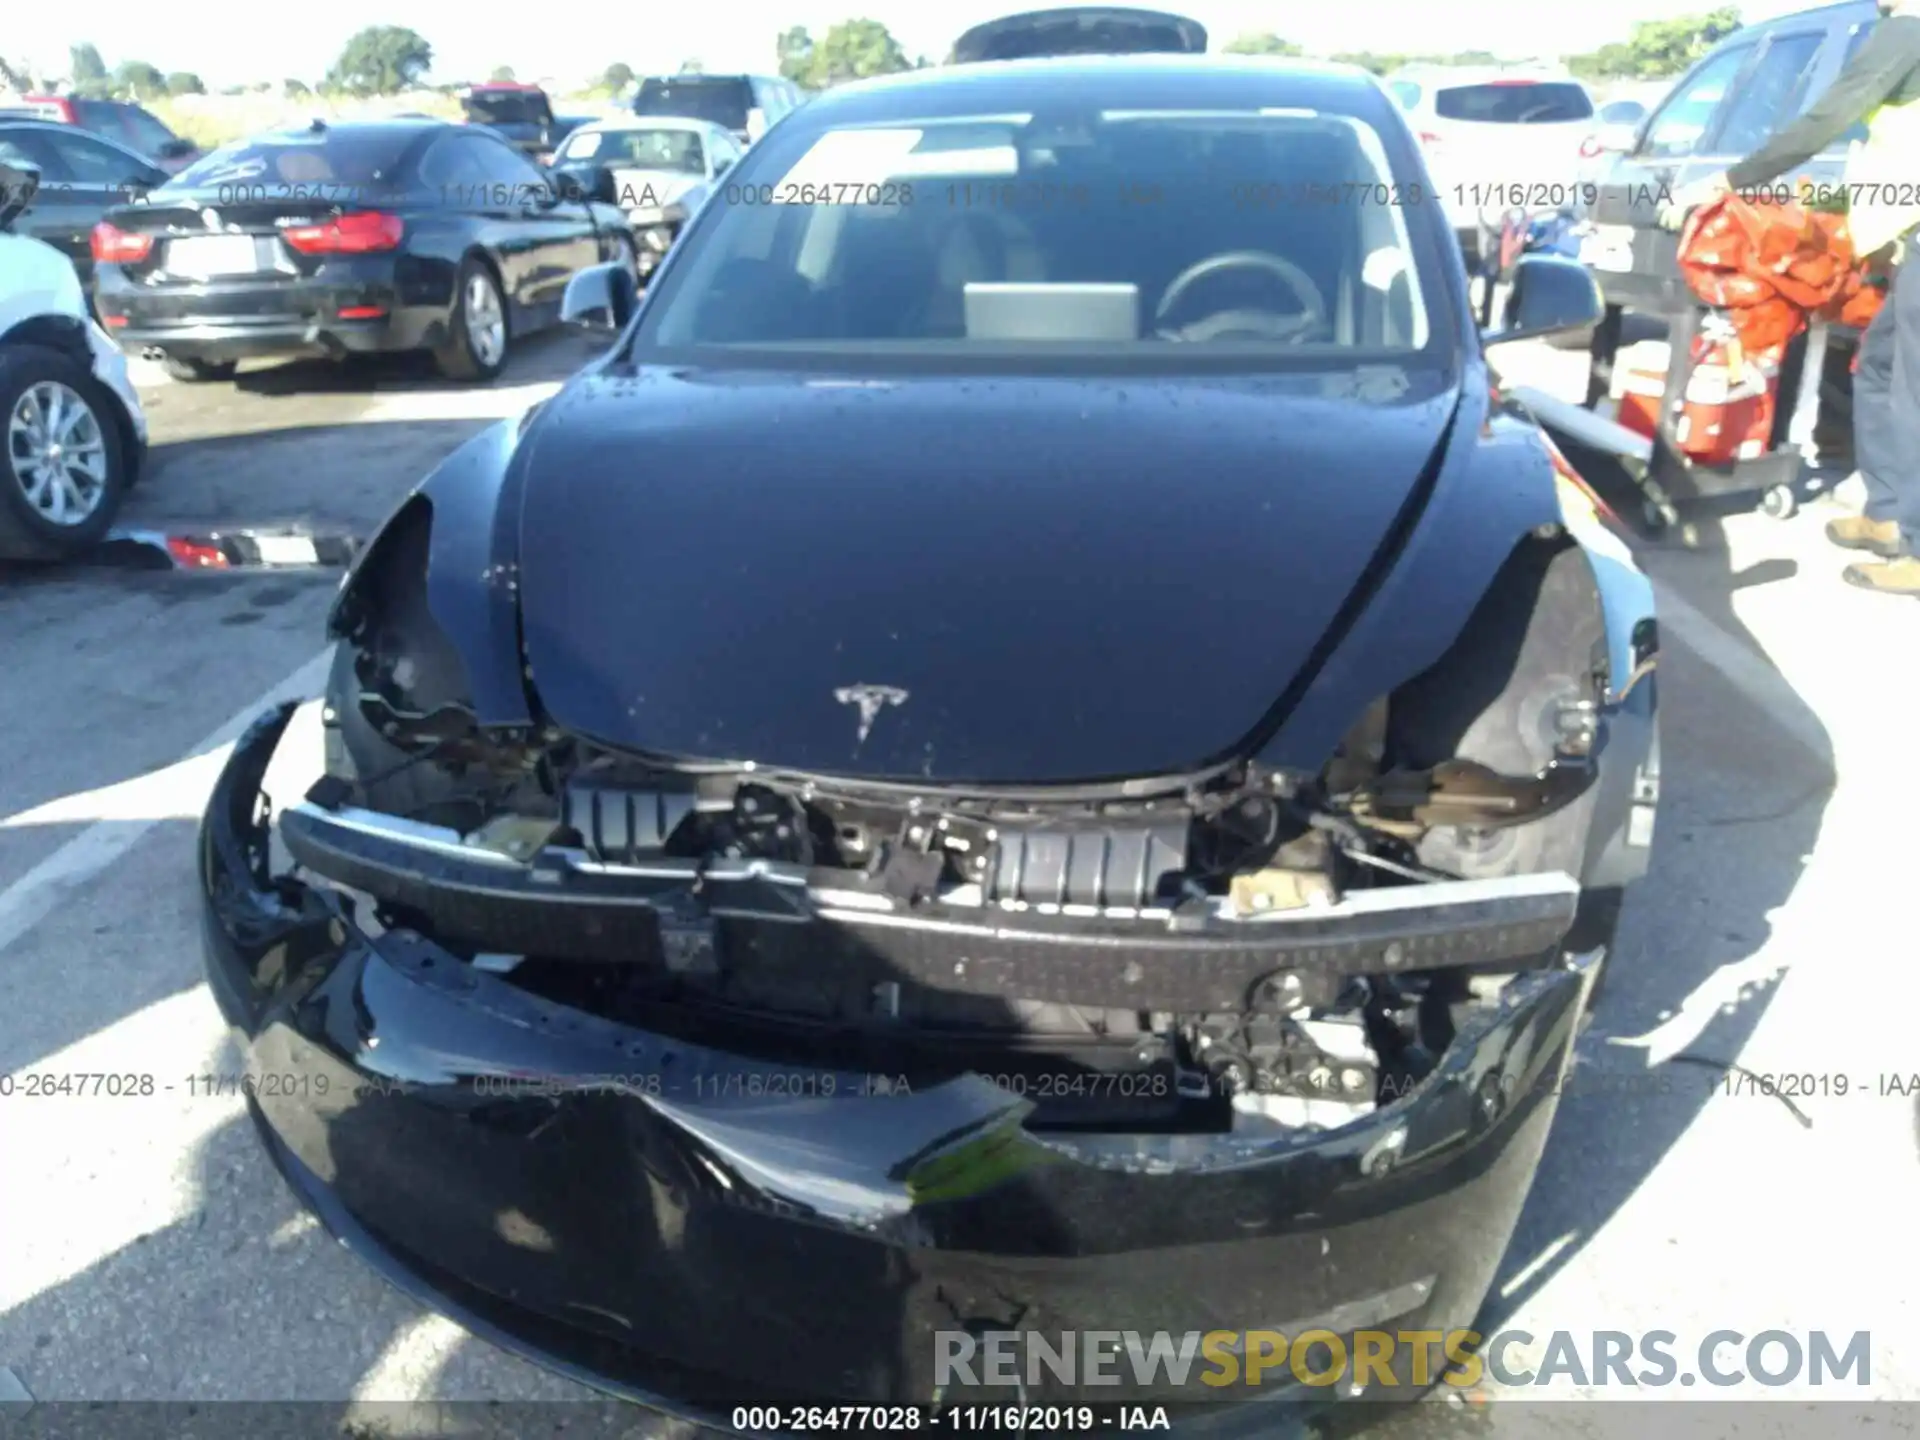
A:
(190, 371)
(476, 348)
(64, 472)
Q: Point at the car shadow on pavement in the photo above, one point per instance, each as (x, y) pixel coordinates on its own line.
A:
(1691, 973)
(552, 354)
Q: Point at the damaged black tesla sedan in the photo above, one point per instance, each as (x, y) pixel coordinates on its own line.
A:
(1037, 745)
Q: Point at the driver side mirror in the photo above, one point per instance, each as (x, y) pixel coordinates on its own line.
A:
(1550, 295)
(601, 297)
(722, 164)
(177, 148)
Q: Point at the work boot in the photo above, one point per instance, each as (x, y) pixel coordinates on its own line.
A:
(1857, 532)
(1889, 577)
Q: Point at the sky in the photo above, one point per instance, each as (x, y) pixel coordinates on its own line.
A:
(226, 42)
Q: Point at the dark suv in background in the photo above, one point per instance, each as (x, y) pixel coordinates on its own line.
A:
(1720, 111)
(118, 120)
(744, 104)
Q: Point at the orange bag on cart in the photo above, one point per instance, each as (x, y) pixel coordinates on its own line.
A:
(1765, 269)
(1769, 267)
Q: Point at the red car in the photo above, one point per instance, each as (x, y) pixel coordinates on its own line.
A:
(118, 120)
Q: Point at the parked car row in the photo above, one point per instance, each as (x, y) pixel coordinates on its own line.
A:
(335, 240)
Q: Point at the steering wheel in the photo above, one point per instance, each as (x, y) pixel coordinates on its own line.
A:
(1310, 319)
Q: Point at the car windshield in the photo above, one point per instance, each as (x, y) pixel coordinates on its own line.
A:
(1108, 235)
(721, 102)
(507, 107)
(1514, 102)
(358, 160)
(679, 151)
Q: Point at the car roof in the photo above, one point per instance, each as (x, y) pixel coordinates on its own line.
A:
(504, 85)
(1117, 82)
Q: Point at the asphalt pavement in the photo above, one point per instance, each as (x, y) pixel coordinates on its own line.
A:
(150, 1252)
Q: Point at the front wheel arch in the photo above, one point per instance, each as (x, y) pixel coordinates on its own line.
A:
(454, 356)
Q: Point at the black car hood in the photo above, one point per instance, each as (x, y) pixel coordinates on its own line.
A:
(1044, 579)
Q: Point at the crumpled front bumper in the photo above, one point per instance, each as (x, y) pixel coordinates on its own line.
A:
(623, 1206)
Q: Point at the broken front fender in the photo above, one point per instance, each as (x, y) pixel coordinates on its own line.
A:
(686, 1225)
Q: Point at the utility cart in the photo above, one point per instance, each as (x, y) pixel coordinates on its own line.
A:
(1779, 477)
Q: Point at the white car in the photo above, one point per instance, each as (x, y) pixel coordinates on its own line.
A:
(660, 169)
(75, 433)
(1497, 139)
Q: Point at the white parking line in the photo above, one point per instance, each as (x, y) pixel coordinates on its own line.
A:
(137, 806)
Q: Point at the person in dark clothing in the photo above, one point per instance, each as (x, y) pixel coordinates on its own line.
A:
(1879, 87)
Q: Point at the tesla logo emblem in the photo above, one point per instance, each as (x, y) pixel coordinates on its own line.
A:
(871, 699)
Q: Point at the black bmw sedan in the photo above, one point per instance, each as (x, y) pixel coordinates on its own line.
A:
(1037, 752)
(347, 239)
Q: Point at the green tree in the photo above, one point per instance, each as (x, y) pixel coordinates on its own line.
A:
(1656, 49)
(185, 82)
(693, 65)
(502, 73)
(381, 60)
(618, 77)
(139, 79)
(853, 50)
(795, 49)
(1266, 43)
(295, 89)
(88, 73)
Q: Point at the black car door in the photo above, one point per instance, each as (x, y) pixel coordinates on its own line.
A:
(556, 235)
(81, 178)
